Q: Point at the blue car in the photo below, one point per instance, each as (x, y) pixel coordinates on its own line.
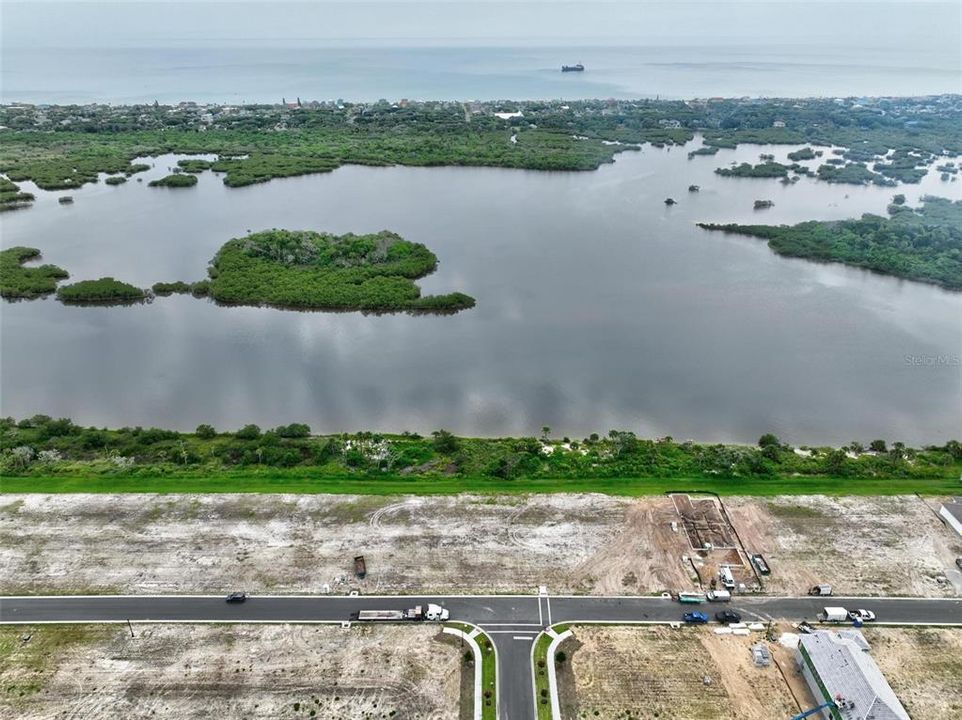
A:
(695, 617)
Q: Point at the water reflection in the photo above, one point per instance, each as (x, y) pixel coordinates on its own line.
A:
(598, 307)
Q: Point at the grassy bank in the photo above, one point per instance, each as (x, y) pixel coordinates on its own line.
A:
(301, 481)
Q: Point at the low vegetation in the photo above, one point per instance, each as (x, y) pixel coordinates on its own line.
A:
(922, 244)
(194, 165)
(17, 281)
(105, 291)
(58, 455)
(171, 288)
(767, 169)
(116, 180)
(177, 180)
(310, 270)
(255, 143)
(853, 173)
(805, 153)
(11, 197)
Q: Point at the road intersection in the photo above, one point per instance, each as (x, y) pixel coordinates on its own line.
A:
(512, 621)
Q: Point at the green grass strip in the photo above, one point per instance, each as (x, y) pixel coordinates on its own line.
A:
(542, 691)
(304, 481)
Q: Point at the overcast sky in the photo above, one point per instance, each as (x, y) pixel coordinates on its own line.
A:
(139, 22)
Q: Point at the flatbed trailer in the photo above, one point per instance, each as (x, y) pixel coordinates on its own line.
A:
(431, 612)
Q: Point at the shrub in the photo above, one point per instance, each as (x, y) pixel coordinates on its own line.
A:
(106, 290)
(205, 432)
(177, 180)
(294, 430)
(248, 432)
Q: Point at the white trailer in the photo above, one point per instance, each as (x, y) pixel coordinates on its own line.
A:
(833, 614)
(719, 596)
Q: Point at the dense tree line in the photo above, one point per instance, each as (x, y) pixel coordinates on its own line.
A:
(45, 445)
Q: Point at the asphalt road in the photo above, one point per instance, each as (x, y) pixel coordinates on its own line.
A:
(513, 621)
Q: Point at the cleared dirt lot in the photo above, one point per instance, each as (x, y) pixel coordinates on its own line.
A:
(659, 672)
(571, 543)
(862, 546)
(239, 671)
(923, 666)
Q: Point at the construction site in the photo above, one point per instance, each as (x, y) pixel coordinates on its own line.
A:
(572, 544)
(698, 674)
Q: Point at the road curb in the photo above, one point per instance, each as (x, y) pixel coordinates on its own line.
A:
(553, 673)
(478, 662)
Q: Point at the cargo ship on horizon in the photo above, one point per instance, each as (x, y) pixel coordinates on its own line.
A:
(573, 68)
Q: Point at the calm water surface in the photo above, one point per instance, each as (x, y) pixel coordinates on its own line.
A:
(598, 307)
(265, 72)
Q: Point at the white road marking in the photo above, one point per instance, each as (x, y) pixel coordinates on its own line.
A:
(522, 637)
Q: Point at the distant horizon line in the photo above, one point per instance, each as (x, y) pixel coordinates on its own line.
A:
(308, 101)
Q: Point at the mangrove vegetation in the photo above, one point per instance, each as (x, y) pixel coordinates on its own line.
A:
(105, 291)
(176, 180)
(310, 270)
(17, 281)
(922, 244)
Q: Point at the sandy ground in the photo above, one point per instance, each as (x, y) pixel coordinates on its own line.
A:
(570, 543)
(683, 674)
(862, 546)
(923, 666)
(239, 671)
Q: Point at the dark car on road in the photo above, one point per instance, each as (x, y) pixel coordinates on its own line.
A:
(695, 617)
(728, 616)
(237, 597)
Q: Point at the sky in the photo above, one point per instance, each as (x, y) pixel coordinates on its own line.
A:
(83, 23)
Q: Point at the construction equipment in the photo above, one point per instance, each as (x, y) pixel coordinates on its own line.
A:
(830, 704)
(360, 567)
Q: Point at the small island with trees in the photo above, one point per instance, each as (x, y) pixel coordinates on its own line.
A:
(105, 291)
(177, 180)
(320, 271)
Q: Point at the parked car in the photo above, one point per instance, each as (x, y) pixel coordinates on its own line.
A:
(695, 617)
(237, 597)
(728, 616)
(863, 615)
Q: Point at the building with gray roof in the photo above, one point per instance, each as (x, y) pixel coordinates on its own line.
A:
(838, 667)
(951, 514)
